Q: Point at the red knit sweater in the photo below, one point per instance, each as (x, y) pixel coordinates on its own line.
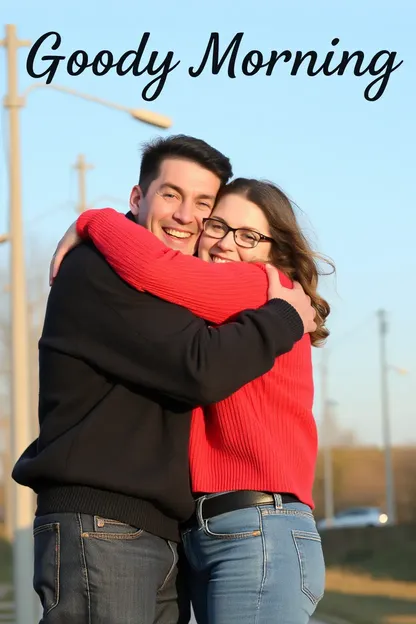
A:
(263, 437)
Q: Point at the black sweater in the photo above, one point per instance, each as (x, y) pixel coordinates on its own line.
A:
(120, 372)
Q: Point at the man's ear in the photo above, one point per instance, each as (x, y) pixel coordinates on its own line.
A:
(136, 196)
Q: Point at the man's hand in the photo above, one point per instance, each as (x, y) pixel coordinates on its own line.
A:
(296, 297)
(69, 240)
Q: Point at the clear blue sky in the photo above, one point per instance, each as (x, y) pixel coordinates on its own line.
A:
(348, 163)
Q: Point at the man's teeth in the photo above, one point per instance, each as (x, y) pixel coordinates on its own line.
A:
(177, 233)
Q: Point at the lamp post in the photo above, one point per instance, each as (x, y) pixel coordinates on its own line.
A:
(385, 416)
(20, 414)
(327, 440)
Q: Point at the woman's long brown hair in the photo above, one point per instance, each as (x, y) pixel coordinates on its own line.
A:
(291, 251)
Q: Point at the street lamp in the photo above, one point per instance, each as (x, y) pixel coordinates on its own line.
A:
(20, 420)
(327, 439)
(385, 418)
(148, 117)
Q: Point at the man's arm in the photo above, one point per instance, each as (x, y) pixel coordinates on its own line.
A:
(140, 339)
(214, 292)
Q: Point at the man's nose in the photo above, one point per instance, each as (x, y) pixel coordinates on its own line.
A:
(184, 213)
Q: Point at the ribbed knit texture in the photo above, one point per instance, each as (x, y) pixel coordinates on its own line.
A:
(264, 436)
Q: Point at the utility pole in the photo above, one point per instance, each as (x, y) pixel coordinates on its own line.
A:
(82, 167)
(20, 414)
(385, 416)
(8, 516)
(5, 430)
(21, 395)
(36, 313)
(327, 443)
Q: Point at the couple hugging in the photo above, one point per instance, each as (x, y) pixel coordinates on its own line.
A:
(177, 445)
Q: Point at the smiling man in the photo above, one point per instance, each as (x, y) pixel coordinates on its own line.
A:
(120, 372)
(173, 205)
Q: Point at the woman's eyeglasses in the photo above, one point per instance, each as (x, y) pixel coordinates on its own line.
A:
(243, 237)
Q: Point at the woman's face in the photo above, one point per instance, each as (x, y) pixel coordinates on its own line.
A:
(236, 212)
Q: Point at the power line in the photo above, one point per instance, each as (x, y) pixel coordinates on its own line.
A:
(353, 331)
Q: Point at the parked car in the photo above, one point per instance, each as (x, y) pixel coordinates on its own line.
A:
(355, 517)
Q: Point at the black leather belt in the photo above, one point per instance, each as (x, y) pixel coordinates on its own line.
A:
(231, 501)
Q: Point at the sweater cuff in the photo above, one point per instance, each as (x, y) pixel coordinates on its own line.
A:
(290, 315)
(82, 224)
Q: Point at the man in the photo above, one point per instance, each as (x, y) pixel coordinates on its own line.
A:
(120, 372)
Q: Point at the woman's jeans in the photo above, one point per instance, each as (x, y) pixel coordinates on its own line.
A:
(257, 565)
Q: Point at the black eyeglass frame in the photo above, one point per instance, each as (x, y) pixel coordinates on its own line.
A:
(262, 238)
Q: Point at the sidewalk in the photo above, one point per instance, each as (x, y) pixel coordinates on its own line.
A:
(7, 608)
(6, 605)
(313, 621)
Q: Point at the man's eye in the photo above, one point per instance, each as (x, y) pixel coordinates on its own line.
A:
(169, 195)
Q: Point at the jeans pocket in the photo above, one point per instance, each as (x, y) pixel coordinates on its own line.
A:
(108, 529)
(234, 525)
(47, 564)
(312, 565)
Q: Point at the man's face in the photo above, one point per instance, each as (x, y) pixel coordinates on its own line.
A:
(176, 203)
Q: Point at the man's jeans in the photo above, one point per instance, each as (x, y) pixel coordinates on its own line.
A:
(257, 565)
(89, 570)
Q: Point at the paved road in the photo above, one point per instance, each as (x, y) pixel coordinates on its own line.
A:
(7, 618)
(6, 609)
(193, 621)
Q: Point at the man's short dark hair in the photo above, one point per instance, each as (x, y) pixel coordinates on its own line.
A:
(182, 146)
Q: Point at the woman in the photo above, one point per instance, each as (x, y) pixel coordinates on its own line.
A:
(253, 547)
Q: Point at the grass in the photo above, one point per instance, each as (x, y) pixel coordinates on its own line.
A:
(371, 581)
(391, 555)
(6, 573)
(367, 609)
(366, 583)
(5, 562)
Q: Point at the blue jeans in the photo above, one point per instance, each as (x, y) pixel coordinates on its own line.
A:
(91, 570)
(257, 565)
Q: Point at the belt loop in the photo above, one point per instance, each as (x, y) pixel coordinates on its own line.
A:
(278, 503)
(199, 516)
